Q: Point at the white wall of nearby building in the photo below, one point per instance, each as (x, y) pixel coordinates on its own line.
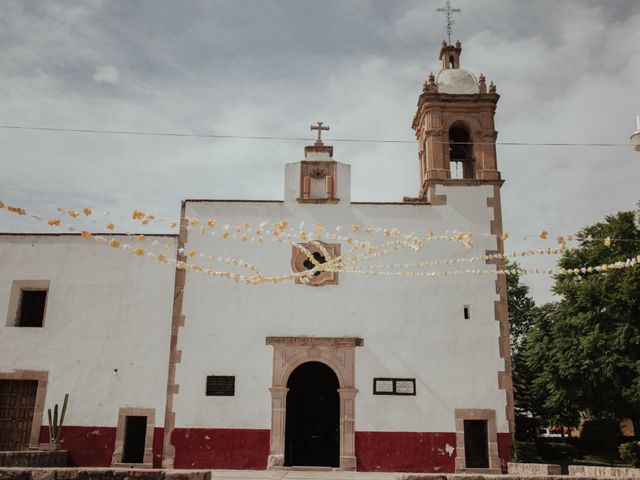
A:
(106, 310)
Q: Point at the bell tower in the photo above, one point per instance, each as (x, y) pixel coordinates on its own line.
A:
(454, 126)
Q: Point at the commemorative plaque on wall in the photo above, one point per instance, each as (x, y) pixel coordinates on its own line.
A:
(221, 386)
(394, 386)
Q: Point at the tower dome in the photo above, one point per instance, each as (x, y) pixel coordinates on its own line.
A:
(456, 81)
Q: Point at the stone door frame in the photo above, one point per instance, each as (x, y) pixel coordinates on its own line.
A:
(123, 413)
(489, 415)
(338, 353)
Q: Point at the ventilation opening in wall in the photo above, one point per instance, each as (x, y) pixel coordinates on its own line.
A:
(467, 312)
(134, 438)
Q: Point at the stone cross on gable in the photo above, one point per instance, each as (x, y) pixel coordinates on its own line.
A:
(319, 127)
(448, 10)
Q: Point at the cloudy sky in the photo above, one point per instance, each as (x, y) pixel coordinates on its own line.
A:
(567, 71)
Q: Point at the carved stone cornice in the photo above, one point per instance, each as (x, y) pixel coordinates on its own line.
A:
(463, 182)
(317, 200)
(316, 341)
(321, 148)
(434, 132)
(486, 133)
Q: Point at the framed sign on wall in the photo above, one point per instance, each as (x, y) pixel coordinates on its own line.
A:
(394, 386)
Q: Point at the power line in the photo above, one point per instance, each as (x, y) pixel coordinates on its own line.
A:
(290, 139)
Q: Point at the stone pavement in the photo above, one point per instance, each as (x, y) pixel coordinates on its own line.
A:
(22, 473)
(301, 474)
(53, 473)
(323, 474)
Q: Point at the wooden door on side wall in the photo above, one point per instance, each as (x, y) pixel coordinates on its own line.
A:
(17, 402)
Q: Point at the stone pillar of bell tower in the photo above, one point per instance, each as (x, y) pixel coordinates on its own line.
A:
(454, 126)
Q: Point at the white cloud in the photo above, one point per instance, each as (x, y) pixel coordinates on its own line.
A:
(106, 74)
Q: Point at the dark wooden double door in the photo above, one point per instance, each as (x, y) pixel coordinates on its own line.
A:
(17, 403)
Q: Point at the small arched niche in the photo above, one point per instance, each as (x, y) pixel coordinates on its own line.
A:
(461, 161)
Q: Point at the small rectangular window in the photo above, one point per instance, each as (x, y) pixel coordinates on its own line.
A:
(31, 308)
(467, 312)
(221, 386)
(28, 303)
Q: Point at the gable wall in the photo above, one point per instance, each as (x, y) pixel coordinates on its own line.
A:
(412, 327)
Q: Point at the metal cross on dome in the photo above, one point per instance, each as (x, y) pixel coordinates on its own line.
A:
(448, 10)
(319, 127)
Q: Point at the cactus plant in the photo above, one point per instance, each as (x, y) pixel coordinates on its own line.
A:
(55, 424)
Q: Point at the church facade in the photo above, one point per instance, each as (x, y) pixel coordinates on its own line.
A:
(332, 364)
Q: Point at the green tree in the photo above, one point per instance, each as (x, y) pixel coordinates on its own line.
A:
(554, 398)
(520, 305)
(584, 351)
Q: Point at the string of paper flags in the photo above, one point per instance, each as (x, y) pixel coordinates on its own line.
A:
(466, 239)
(257, 233)
(338, 264)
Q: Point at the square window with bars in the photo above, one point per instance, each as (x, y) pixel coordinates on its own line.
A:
(31, 308)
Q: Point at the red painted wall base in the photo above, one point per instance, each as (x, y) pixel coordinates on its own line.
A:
(236, 449)
(248, 449)
(93, 446)
(405, 452)
(414, 451)
(504, 440)
(87, 446)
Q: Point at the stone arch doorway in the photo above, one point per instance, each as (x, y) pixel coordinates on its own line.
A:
(334, 353)
(312, 426)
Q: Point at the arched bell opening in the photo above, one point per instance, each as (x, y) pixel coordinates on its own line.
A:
(461, 160)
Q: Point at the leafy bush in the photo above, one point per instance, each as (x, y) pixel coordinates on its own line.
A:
(526, 428)
(600, 435)
(555, 451)
(630, 452)
(523, 452)
(575, 441)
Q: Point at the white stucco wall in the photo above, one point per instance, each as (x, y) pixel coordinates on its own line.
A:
(111, 310)
(106, 310)
(411, 327)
